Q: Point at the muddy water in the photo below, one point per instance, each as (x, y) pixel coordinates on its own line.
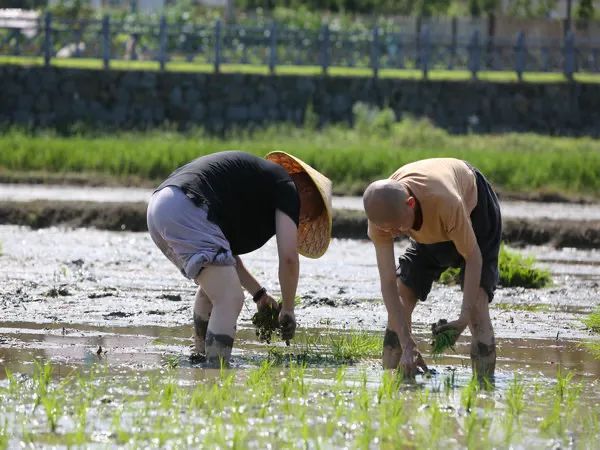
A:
(510, 209)
(99, 278)
(83, 299)
(52, 277)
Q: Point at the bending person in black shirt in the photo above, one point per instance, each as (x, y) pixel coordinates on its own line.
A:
(226, 204)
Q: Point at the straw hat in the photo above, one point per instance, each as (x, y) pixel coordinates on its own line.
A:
(313, 236)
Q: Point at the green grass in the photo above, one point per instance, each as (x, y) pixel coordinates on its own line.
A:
(593, 320)
(352, 158)
(521, 307)
(516, 270)
(182, 66)
(273, 406)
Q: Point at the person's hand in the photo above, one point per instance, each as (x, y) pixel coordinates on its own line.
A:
(287, 322)
(266, 301)
(411, 362)
(442, 325)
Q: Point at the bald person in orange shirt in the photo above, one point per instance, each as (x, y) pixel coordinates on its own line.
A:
(452, 217)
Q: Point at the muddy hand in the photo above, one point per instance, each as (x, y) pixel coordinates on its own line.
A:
(287, 322)
(443, 325)
(267, 301)
(412, 363)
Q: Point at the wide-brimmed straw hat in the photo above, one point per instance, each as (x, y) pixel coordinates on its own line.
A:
(313, 236)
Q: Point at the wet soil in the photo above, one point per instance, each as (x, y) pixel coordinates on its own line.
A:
(346, 223)
(85, 298)
(102, 277)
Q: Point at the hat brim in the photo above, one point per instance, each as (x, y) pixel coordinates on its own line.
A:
(313, 236)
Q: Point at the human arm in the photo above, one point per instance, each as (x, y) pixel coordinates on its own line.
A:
(398, 317)
(463, 236)
(253, 287)
(286, 233)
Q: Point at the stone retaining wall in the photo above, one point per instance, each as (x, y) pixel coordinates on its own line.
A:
(60, 98)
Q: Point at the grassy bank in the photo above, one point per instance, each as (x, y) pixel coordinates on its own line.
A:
(351, 157)
(175, 65)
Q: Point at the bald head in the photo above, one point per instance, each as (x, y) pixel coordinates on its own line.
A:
(384, 200)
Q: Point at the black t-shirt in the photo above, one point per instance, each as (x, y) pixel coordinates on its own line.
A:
(242, 192)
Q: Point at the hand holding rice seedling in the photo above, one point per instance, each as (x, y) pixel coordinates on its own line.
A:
(443, 337)
(266, 322)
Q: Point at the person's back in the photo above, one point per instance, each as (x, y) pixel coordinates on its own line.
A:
(241, 192)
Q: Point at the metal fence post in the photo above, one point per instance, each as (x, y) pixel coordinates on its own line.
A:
(106, 41)
(424, 48)
(375, 52)
(569, 55)
(47, 39)
(273, 48)
(453, 43)
(162, 51)
(217, 45)
(324, 48)
(520, 55)
(474, 62)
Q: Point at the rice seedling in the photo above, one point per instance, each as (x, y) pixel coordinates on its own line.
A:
(518, 270)
(269, 406)
(443, 340)
(594, 348)
(354, 346)
(4, 436)
(266, 323)
(328, 347)
(593, 320)
(515, 269)
(521, 307)
(170, 361)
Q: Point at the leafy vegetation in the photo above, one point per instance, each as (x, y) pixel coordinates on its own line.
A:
(519, 270)
(593, 320)
(332, 348)
(515, 270)
(442, 341)
(351, 157)
(268, 405)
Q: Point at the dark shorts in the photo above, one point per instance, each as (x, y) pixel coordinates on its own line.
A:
(422, 264)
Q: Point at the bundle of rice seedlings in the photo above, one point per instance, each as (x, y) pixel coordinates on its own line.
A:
(442, 341)
(266, 322)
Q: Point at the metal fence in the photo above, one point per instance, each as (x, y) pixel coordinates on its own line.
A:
(427, 49)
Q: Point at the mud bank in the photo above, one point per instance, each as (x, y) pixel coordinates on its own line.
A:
(347, 224)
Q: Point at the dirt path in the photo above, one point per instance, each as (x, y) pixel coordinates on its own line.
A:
(346, 223)
(511, 209)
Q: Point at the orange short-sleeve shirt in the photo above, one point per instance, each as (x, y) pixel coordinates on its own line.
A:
(447, 192)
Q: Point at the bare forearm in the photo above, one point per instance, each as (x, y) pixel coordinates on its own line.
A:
(247, 280)
(471, 287)
(397, 316)
(289, 270)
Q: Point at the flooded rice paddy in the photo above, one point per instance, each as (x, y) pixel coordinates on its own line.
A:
(95, 338)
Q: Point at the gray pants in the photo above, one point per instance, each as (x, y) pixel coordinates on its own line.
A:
(183, 233)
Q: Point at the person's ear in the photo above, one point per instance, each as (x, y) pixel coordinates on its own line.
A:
(411, 202)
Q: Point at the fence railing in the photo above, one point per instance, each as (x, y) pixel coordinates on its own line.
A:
(274, 46)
